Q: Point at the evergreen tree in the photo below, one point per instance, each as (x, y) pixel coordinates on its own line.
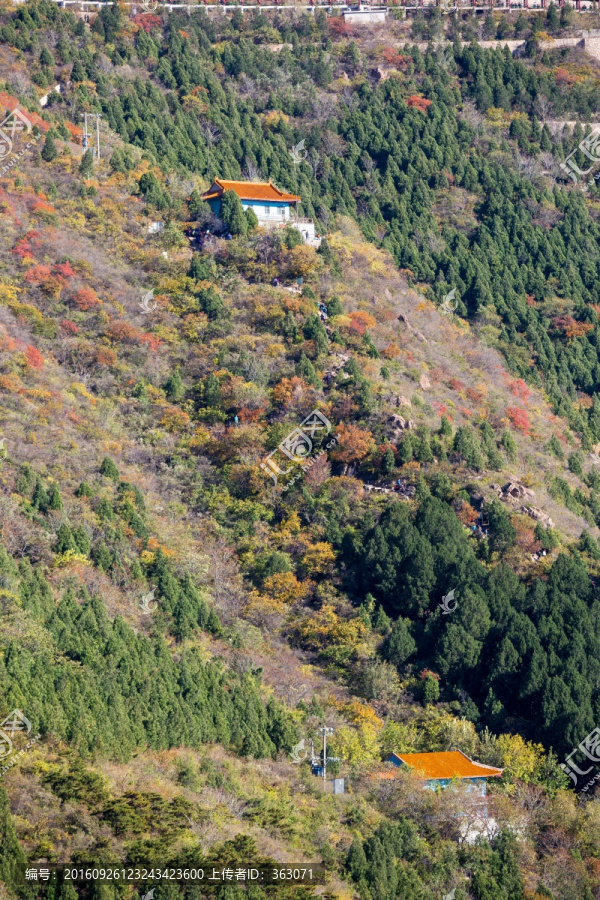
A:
(211, 303)
(202, 268)
(399, 646)
(109, 469)
(306, 370)
(232, 214)
(431, 690)
(251, 219)
(405, 450)
(502, 532)
(445, 428)
(81, 540)
(77, 72)
(555, 448)
(174, 387)
(46, 58)
(84, 490)
(211, 391)
(552, 18)
(466, 443)
(334, 307)
(86, 166)
(64, 539)
(388, 462)
(39, 499)
(49, 151)
(54, 497)
(509, 445)
(315, 331)
(12, 857)
(575, 463)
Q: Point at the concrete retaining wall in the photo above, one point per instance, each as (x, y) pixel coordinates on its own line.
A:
(365, 17)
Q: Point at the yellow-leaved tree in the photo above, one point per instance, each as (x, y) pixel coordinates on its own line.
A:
(358, 742)
(519, 757)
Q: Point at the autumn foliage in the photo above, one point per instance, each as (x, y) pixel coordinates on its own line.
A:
(353, 444)
(421, 103)
(33, 358)
(360, 321)
(393, 58)
(519, 389)
(25, 246)
(339, 28)
(147, 21)
(519, 418)
(570, 327)
(561, 76)
(123, 332)
(86, 299)
(290, 390)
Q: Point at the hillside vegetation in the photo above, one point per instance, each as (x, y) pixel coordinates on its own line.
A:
(172, 622)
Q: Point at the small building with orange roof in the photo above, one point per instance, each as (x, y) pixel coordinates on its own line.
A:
(439, 769)
(269, 203)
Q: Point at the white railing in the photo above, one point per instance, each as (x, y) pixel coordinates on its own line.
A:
(477, 5)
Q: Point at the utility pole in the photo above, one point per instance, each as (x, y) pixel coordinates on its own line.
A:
(85, 141)
(86, 136)
(325, 730)
(98, 117)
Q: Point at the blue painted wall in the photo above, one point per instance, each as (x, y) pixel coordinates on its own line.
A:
(259, 208)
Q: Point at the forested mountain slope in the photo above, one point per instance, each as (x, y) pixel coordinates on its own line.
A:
(172, 622)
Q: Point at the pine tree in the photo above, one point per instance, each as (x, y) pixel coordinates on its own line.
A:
(575, 463)
(12, 857)
(431, 690)
(306, 370)
(289, 328)
(424, 451)
(466, 443)
(54, 497)
(445, 427)
(78, 72)
(46, 58)
(64, 539)
(399, 645)
(232, 214)
(211, 391)
(86, 166)
(49, 151)
(502, 532)
(509, 445)
(552, 18)
(81, 540)
(26, 479)
(251, 219)
(388, 462)
(39, 499)
(356, 860)
(334, 307)
(315, 331)
(202, 268)
(174, 387)
(555, 448)
(109, 469)
(67, 892)
(405, 450)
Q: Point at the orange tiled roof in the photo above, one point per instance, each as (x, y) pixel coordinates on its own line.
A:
(251, 190)
(449, 764)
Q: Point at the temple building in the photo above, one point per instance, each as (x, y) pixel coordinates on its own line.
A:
(439, 769)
